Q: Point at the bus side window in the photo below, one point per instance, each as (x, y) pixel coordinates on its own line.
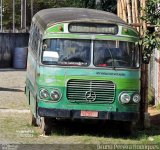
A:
(39, 45)
(35, 38)
(31, 36)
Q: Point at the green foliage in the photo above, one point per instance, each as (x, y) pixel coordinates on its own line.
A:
(81, 3)
(7, 18)
(151, 40)
(107, 5)
(8, 14)
(152, 12)
(41, 4)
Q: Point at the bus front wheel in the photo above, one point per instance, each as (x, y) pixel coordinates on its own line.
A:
(46, 125)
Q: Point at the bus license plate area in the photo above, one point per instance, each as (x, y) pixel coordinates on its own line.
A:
(89, 113)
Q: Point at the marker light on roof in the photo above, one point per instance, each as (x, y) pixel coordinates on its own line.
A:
(60, 28)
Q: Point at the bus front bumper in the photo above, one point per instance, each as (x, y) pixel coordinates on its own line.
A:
(76, 114)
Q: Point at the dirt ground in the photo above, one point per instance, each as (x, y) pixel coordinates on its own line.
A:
(12, 83)
(154, 116)
(15, 128)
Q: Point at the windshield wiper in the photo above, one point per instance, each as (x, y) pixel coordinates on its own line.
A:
(113, 64)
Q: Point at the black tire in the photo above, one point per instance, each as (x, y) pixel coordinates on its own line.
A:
(46, 126)
(32, 120)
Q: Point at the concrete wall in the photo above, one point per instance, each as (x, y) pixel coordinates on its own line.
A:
(8, 42)
(158, 63)
(156, 76)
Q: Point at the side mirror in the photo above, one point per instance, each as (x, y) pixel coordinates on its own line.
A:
(44, 47)
(50, 56)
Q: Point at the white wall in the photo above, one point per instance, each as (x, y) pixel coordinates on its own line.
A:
(156, 76)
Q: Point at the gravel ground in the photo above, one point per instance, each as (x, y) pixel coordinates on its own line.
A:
(12, 83)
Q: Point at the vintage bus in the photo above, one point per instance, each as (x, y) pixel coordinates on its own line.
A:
(82, 64)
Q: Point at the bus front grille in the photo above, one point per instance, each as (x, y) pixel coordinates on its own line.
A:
(90, 91)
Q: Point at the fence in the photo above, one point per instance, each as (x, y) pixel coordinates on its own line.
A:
(8, 42)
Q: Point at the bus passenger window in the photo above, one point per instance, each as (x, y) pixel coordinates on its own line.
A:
(69, 52)
(102, 53)
(121, 55)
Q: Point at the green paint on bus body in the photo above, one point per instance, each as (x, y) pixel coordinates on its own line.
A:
(56, 78)
(93, 37)
(122, 31)
(129, 32)
(58, 28)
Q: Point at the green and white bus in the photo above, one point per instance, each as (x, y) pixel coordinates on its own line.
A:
(82, 64)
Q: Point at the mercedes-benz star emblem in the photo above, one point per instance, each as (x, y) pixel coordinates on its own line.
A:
(90, 96)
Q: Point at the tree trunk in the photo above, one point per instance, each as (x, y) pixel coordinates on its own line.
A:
(144, 97)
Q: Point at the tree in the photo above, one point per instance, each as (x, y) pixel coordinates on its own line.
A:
(151, 40)
(106, 5)
(109, 5)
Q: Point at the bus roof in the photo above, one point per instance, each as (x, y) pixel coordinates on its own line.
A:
(48, 17)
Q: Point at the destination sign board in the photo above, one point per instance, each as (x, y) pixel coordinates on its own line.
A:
(96, 28)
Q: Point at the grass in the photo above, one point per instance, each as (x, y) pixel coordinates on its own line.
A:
(14, 128)
(158, 106)
(13, 100)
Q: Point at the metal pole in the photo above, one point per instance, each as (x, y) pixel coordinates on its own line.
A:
(97, 1)
(1, 15)
(13, 16)
(25, 15)
(21, 14)
(31, 9)
(98, 4)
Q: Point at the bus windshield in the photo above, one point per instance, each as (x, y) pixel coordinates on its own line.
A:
(116, 54)
(67, 52)
(106, 53)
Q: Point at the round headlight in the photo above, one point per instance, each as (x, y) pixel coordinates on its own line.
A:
(125, 98)
(55, 95)
(136, 98)
(43, 94)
